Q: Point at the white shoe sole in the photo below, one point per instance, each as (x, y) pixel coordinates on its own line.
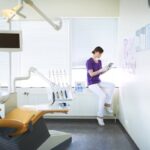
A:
(100, 122)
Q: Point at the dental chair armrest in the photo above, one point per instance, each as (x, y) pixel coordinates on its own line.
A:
(41, 113)
(65, 111)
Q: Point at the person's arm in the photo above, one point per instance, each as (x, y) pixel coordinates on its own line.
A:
(94, 73)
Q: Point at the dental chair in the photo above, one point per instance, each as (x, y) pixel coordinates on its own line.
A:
(24, 129)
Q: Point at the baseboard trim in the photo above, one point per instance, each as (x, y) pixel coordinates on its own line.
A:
(77, 117)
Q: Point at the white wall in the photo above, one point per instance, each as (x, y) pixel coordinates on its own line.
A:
(88, 33)
(70, 8)
(134, 101)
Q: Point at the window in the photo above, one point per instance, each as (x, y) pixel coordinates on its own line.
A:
(46, 49)
(86, 34)
(43, 48)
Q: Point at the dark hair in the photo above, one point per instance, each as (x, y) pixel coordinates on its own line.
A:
(98, 49)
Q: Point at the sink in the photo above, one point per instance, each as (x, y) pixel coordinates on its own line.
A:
(3, 96)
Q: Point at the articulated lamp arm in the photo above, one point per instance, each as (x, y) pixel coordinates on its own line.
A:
(56, 26)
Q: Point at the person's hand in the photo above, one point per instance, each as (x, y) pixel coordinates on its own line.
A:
(104, 69)
(110, 65)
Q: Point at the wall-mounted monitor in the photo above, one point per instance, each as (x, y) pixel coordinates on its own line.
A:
(10, 41)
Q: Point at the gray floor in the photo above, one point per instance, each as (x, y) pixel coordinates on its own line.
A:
(87, 135)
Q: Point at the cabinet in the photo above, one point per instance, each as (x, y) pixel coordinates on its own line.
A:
(83, 105)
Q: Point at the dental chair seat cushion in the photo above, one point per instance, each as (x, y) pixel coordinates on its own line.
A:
(18, 119)
(22, 118)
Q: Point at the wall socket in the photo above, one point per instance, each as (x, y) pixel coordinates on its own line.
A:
(126, 122)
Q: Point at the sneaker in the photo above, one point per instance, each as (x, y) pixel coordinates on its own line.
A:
(109, 110)
(100, 121)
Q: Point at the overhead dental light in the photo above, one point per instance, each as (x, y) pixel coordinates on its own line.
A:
(9, 14)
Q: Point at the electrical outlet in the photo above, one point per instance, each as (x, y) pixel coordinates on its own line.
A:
(126, 122)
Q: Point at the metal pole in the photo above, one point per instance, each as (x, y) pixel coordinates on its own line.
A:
(10, 65)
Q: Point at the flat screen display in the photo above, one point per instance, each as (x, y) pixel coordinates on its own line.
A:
(9, 40)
